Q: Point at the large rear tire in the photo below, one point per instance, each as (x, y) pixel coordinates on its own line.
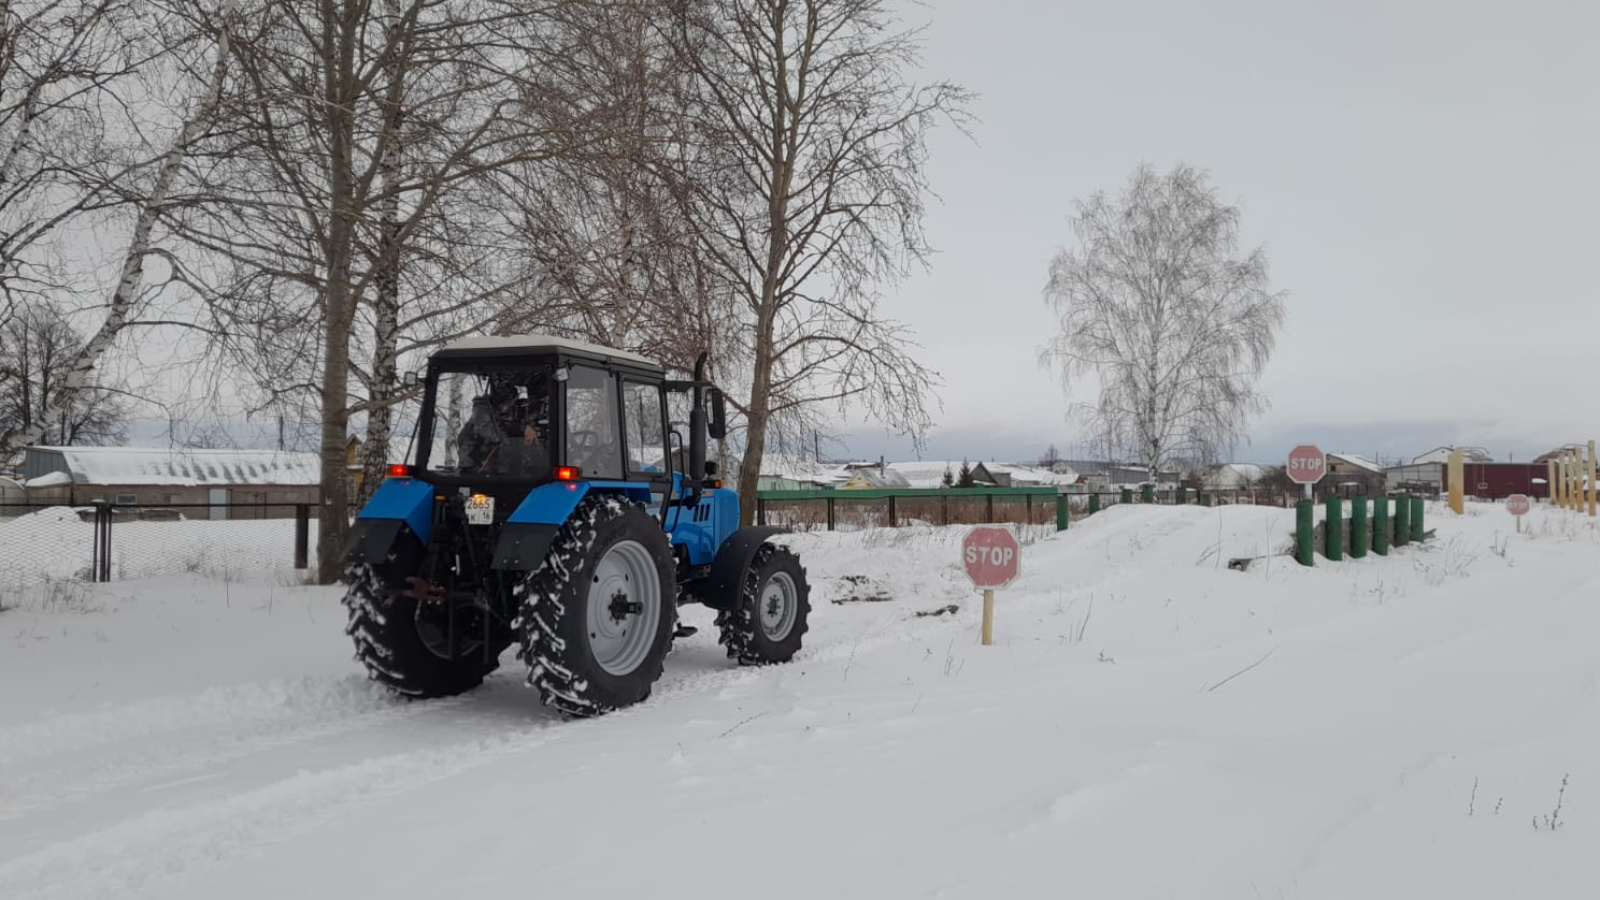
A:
(771, 615)
(597, 617)
(391, 643)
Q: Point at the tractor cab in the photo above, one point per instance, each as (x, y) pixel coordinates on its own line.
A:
(519, 411)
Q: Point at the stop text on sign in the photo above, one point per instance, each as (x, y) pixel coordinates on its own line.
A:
(991, 556)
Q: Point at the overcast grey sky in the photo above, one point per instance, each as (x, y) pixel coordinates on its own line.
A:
(1424, 175)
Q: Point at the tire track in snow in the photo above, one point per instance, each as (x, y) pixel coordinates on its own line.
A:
(254, 704)
(75, 776)
(149, 854)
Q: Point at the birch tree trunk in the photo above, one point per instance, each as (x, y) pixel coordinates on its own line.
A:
(131, 277)
(386, 278)
(339, 299)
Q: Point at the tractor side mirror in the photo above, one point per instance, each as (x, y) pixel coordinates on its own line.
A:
(718, 427)
(409, 380)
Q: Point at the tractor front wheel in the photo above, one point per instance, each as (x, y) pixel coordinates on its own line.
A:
(770, 615)
(597, 618)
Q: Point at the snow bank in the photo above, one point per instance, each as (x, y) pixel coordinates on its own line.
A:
(131, 466)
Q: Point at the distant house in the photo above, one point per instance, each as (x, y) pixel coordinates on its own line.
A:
(1353, 475)
(927, 473)
(1237, 477)
(865, 476)
(11, 492)
(1009, 475)
(1104, 476)
(780, 473)
(1442, 455)
(272, 481)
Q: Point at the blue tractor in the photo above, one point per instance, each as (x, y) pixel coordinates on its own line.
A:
(560, 499)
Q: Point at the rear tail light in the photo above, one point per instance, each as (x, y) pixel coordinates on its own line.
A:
(568, 473)
(399, 470)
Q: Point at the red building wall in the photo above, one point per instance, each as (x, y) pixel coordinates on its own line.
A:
(1501, 479)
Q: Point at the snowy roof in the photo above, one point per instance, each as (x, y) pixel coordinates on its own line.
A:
(1360, 462)
(1249, 471)
(803, 470)
(1032, 474)
(1442, 455)
(926, 473)
(180, 466)
(535, 342)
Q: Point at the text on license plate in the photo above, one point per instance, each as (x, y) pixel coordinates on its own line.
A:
(480, 510)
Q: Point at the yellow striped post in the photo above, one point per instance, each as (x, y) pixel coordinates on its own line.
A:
(1591, 480)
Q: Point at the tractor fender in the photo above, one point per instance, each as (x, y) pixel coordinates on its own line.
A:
(406, 500)
(531, 528)
(553, 503)
(388, 545)
(720, 588)
(394, 525)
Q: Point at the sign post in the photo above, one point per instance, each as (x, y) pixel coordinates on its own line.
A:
(992, 558)
(1517, 505)
(1307, 465)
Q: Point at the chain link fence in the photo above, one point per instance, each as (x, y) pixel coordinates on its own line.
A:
(106, 542)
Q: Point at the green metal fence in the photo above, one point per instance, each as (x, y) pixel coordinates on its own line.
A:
(836, 510)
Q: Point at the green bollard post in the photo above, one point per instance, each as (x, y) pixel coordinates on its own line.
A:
(1380, 525)
(1416, 519)
(1127, 495)
(1402, 521)
(1094, 504)
(1334, 543)
(1303, 532)
(1061, 512)
(1359, 530)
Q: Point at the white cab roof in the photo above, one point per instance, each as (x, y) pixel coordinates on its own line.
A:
(535, 342)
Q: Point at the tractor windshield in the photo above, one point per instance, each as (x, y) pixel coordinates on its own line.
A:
(492, 421)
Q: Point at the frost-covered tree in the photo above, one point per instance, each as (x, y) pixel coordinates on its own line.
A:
(1160, 307)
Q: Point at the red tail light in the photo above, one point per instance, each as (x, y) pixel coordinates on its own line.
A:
(399, 470)
(568, 473)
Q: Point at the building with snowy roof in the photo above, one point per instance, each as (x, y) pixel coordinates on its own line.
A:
(253, 483)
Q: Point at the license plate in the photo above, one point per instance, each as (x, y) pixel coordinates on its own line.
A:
(480, 510)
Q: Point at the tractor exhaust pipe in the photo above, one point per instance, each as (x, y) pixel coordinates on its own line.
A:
(696, 475)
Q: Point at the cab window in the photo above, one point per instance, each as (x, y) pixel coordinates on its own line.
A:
(591, 433)
(645, 435)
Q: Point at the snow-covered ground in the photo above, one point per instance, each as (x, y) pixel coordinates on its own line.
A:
(1148, 724)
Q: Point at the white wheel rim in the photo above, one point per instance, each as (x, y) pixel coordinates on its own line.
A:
(624, 608)
(778, 606)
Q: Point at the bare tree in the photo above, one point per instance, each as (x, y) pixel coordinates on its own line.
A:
(146, 187)
(69, 84)
(806, 190)
(343, 197)
(37, 348)
(1158, 305)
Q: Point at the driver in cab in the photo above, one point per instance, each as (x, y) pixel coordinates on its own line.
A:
(505, 435)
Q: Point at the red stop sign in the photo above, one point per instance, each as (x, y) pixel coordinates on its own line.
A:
(1307, 465)
(1517, 504)
(991, 556)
